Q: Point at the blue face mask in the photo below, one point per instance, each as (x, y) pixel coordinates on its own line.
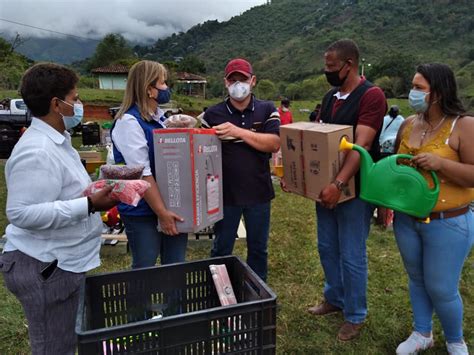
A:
(417, 100)
(164, 96)
(73, 121)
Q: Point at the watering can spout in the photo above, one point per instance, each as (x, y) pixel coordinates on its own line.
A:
(366, 161)
(345, 145)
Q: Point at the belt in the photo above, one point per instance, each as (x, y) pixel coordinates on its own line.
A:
(444, 214)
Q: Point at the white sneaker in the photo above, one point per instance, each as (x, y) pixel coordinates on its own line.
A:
(415, 343)
(457, 348)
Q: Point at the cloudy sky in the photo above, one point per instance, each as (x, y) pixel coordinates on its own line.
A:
(137, 20)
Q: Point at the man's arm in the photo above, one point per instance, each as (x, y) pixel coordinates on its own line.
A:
(364, 136)
(267, 141)
(264, 142)
(372, 111)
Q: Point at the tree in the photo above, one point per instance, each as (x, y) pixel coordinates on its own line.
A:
(322, 87)
(192, 64)
(293, 91)
(396, 64)
(215, 87)
(111, 49)
(5, 48)
(17, 42)
(12, 66)
(385, 83)
(266, 89)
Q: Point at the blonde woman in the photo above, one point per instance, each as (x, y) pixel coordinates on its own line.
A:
(132, 137)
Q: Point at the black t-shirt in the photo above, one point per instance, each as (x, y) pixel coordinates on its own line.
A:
(246, 171)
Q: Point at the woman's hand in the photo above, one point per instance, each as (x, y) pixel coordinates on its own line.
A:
(428, 161)
(168, 222)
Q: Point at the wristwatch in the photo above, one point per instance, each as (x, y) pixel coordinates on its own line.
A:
(339, 184)
(90, 206)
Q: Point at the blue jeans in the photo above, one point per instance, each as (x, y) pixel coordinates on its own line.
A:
(147, 243)
(342, 237)
(257, 225)
(433, 255)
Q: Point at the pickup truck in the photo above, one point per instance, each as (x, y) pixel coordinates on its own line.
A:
(14, 114)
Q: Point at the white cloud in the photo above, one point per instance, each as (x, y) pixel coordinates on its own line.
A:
(136, 20)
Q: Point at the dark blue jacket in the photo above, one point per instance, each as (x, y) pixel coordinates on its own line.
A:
(142, 209)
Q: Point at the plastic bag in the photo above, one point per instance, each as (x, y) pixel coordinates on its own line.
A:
(121, 172)
(180, 121)
(110, 155)
(129, 192)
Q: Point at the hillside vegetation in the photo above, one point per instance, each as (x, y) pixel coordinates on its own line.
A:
(286, 39)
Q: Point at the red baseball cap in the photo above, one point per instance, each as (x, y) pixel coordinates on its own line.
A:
(238, 65)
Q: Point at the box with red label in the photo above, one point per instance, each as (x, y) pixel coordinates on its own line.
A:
(188, 171)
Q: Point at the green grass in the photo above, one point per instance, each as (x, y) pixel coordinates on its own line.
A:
(297, 278)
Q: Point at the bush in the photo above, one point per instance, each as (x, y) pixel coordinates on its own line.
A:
(266, 89)
(391, 86)
(88, 82)
(293, 91)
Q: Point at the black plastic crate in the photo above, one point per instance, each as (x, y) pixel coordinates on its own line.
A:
(90, 134)
(116, 310)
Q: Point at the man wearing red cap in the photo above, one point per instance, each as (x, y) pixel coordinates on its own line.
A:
(249, 129)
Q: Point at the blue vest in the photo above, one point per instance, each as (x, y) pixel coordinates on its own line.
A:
(142, 209)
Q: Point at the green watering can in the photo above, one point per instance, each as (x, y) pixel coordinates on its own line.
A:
(399, 187)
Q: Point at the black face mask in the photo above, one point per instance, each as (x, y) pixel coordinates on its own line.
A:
(333, 77)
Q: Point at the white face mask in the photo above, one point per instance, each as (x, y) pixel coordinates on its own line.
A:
(73, 121)
(239, 91)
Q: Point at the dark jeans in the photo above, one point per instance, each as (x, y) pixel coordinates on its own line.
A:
(257, 225)
(147, 243)
(342, 236)
(50, 305)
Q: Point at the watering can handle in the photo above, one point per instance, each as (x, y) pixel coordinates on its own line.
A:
(433, 174)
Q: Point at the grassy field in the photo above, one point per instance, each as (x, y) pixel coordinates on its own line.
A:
(296, 277)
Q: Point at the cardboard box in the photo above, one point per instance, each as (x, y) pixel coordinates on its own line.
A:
(311, 157)
(188, 165)
(90, 155)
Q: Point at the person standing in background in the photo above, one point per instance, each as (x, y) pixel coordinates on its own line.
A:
(391, 125)
(286, 117)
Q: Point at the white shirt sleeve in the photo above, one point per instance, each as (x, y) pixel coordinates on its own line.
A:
(129, 138)
(39, 208)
